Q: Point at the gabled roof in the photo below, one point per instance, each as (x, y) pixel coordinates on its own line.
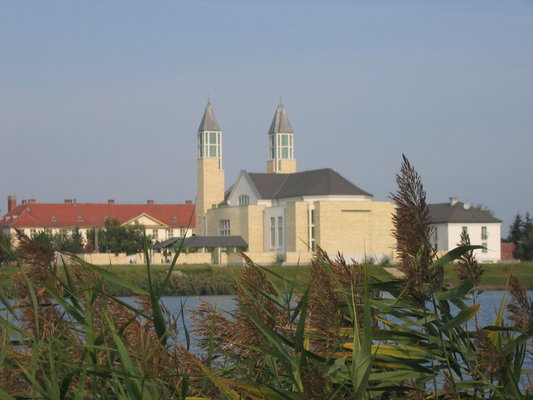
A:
(280, 122)
(458, 212)
(209, 121)
(50, 215)
(318, 182)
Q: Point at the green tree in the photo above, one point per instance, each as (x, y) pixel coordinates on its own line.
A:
(521, 234)
(69, 241)
(7, 253)
(115, 238)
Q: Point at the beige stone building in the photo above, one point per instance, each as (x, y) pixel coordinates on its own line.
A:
(282, 214)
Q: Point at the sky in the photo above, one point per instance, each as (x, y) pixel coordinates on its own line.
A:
(102, 99)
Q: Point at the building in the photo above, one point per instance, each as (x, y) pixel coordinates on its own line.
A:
(161, 221)
(449, 220)
(283, 214)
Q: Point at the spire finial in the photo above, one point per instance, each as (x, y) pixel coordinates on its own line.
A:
(208, 99)
(280, 102)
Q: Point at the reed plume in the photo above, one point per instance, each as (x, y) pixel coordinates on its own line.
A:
(412, 231)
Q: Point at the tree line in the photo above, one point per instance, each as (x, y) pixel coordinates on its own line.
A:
(521, 234)
(112, 238)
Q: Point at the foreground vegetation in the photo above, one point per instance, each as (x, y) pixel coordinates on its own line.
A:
(346, 333)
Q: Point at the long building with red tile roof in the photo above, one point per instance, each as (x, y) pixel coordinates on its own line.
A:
(162, 221)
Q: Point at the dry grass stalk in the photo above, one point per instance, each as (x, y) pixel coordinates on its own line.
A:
(521, 309)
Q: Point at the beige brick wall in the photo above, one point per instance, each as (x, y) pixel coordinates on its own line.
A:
(296, 215)
(357, 229)
(287, 166)
(245, 221)
(210, 188)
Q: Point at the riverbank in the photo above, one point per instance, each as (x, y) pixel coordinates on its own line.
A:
(201, 280)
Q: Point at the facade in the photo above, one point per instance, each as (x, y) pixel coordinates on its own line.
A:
(161, 221)
(450, 219)
(282, 214)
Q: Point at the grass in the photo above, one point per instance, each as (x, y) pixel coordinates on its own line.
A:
(203, 279)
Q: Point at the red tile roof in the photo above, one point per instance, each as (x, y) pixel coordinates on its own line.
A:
(89, 214)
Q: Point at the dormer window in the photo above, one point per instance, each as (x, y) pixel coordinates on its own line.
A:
(53, 218)
(80, 218)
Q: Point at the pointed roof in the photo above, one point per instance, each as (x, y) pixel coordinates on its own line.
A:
(209, 121)
(280, 123)
(318, 182)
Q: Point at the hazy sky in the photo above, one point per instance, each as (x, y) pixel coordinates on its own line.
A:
(102, 99)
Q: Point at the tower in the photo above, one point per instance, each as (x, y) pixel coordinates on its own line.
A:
(210, 176)
(281, 144)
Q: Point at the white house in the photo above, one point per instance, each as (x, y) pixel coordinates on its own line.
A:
(452, 218)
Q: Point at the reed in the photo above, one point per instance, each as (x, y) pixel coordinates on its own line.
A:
(346, 333)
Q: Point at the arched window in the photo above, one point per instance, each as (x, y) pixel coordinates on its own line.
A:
(244, 200)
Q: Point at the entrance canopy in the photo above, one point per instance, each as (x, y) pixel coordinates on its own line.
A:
(196, 242)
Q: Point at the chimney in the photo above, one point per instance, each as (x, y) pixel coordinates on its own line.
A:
(110, 201)
(11, 202)
(68, 201)
(149, 202)
(453, 201)
(188, 201)
(31, 201)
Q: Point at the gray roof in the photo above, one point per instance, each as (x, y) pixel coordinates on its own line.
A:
(202, 241)
(445, 212)
(209, 121)
(215, 241)
(280, 122)
(318, 182)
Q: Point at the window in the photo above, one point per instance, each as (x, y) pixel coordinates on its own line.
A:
(53, 218)
(155, 233)
(209, 144)
(33, 232)
(465, 229)
(170, 233)
(224, 227)
(183, 232)
(435, 238)
(280, 232)
(80, 218)
(272, 232)
(311, 233)
(244, 200)
(484, 233)
(484, 250)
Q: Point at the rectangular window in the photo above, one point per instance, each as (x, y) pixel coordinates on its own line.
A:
(155, 233)
(183, 232)
(224, 227)
(170, 233)
(284, 140)
(465, 229)
(484, 250)
(284, 153)
(436, 238)
(33, 232)
(280, 232)
(272, 232)
(212, 151)
(484, 233)
(212, 138)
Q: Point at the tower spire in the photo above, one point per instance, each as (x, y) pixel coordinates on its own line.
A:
(281, 143)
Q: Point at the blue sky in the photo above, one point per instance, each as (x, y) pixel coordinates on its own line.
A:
(102, 99)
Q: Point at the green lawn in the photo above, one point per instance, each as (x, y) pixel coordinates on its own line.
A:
(206, 279)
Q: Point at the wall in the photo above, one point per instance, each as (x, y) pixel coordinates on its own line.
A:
(296, 232)
(493, 254)
(358, 229)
